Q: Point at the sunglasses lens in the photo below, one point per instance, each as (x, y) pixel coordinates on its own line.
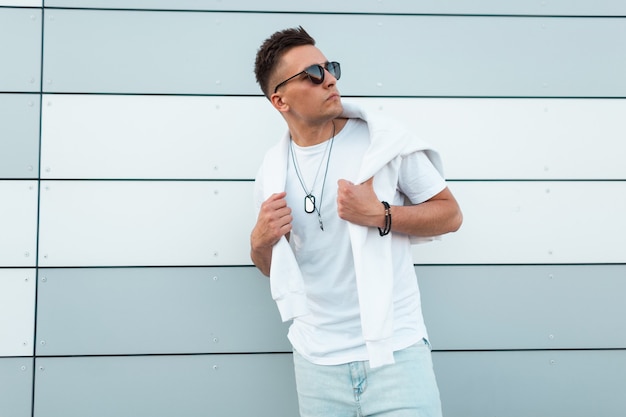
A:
(335, 69)
(315, 73)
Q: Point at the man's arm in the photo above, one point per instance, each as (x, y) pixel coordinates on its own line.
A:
(359, 204)
(273, 222)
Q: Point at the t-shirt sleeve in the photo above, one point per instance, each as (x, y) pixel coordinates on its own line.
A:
(419, 180)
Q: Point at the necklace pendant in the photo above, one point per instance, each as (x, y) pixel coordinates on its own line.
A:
(309, 203)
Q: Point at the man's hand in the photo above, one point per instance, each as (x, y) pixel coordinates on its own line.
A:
(273, 222)
(359, 204)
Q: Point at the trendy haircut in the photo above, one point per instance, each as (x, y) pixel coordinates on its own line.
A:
(272, 50)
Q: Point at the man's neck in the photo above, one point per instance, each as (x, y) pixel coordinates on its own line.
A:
(310, 135)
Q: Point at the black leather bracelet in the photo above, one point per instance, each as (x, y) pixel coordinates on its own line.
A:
(387, 229)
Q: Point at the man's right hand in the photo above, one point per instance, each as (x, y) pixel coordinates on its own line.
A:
(273, 222)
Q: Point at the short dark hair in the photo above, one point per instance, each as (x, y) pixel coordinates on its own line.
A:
(272, 50)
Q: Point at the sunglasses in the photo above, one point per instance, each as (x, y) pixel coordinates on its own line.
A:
(316, 73)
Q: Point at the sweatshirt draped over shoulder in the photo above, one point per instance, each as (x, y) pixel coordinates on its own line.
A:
(389, 142)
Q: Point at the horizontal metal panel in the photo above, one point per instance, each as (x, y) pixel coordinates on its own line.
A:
(524, 307)
(19, 135)
(155, 311)
(517, 138)
(156, 136)
(184, 52)
(20, 30)
(522, 384)
(534, 222)
(122, 223)
(16, 387)
(18, 223)
(203, 137)
(17, 312)
(145, 223)
(154, 386)
(22, 3)
(560, 7)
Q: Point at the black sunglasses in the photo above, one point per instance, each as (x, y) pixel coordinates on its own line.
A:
(316, 73)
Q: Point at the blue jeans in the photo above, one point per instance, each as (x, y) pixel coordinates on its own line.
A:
(405, 389)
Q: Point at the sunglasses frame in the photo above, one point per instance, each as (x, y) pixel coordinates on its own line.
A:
(336, 69)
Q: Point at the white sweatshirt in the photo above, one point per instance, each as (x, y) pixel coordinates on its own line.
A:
(371, 252)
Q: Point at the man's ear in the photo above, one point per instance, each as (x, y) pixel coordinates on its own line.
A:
(279, 102)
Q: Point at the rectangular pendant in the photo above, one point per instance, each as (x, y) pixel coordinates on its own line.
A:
(309, 203)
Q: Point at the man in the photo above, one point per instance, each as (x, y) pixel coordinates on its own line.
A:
(339, 200)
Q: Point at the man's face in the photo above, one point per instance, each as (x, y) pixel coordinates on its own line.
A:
(305, 99)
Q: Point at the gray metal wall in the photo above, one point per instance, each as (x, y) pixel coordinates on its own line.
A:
(130, 132)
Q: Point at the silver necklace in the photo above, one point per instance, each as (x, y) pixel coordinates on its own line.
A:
(310, 205)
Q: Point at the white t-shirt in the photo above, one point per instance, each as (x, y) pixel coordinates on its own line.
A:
(331, 334)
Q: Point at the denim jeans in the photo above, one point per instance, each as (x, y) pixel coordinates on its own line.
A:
(405, 389)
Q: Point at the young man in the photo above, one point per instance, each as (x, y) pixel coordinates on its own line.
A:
(340, 199)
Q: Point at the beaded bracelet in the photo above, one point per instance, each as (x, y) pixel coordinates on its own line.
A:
(387, 228)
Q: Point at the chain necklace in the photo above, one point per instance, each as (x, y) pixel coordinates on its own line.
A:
(309, 199)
